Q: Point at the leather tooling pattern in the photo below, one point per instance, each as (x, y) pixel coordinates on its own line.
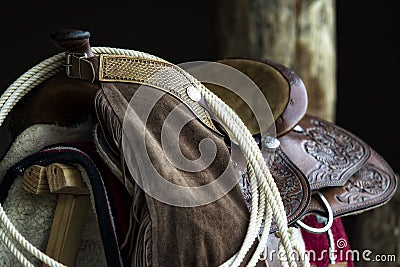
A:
(367, 183)
(335, 150)
(287, 179)
(292, 191)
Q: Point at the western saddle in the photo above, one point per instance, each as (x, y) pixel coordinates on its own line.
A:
(96, 125)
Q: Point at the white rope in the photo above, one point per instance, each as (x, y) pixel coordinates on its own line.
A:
(332, 246)
(28, 81)
(301, 252)
(267, 224)
(255, 222)
(255, 159)
(48, 68)
(126, 52)
(21, 258)
(266, 199)
(263, 238)
(25, 243)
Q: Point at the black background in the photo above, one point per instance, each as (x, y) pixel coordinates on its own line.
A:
(367, 49)
(367, 70)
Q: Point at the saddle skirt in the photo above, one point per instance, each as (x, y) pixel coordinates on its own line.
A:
(125, 101)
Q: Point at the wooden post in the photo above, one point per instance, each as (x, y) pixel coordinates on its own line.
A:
(71, 210)
(35, 180)
(298, 34)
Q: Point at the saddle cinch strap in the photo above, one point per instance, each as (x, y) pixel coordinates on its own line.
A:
(31, 93)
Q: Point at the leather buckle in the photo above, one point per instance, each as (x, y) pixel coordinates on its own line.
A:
(73, 59)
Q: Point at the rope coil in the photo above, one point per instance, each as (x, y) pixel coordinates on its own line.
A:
(266, 199)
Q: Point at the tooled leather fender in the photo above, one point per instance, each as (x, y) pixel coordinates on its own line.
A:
(347, 171)
(326, 153)
(316, 155)
(372, 185)
(293, 186)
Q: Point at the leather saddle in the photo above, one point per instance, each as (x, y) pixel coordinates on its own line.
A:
(316, 158)
(319, 167)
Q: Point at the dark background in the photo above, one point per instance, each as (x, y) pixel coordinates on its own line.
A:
(179, 31)
(367, 70)
(367, 49)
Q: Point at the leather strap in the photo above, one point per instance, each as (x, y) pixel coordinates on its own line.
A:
(128, 69)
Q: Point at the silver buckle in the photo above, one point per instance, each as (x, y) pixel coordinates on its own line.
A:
(80, 57)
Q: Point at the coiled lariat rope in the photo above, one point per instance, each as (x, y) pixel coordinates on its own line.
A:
(16, 236)
(266, 199)
(21, 258)
(266, 184)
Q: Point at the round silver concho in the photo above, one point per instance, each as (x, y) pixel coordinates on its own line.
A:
(193, 93)
(269, 143)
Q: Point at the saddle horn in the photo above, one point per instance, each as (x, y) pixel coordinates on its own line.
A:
(73, 41)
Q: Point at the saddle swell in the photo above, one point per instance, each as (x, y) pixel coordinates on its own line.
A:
(60, 100)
